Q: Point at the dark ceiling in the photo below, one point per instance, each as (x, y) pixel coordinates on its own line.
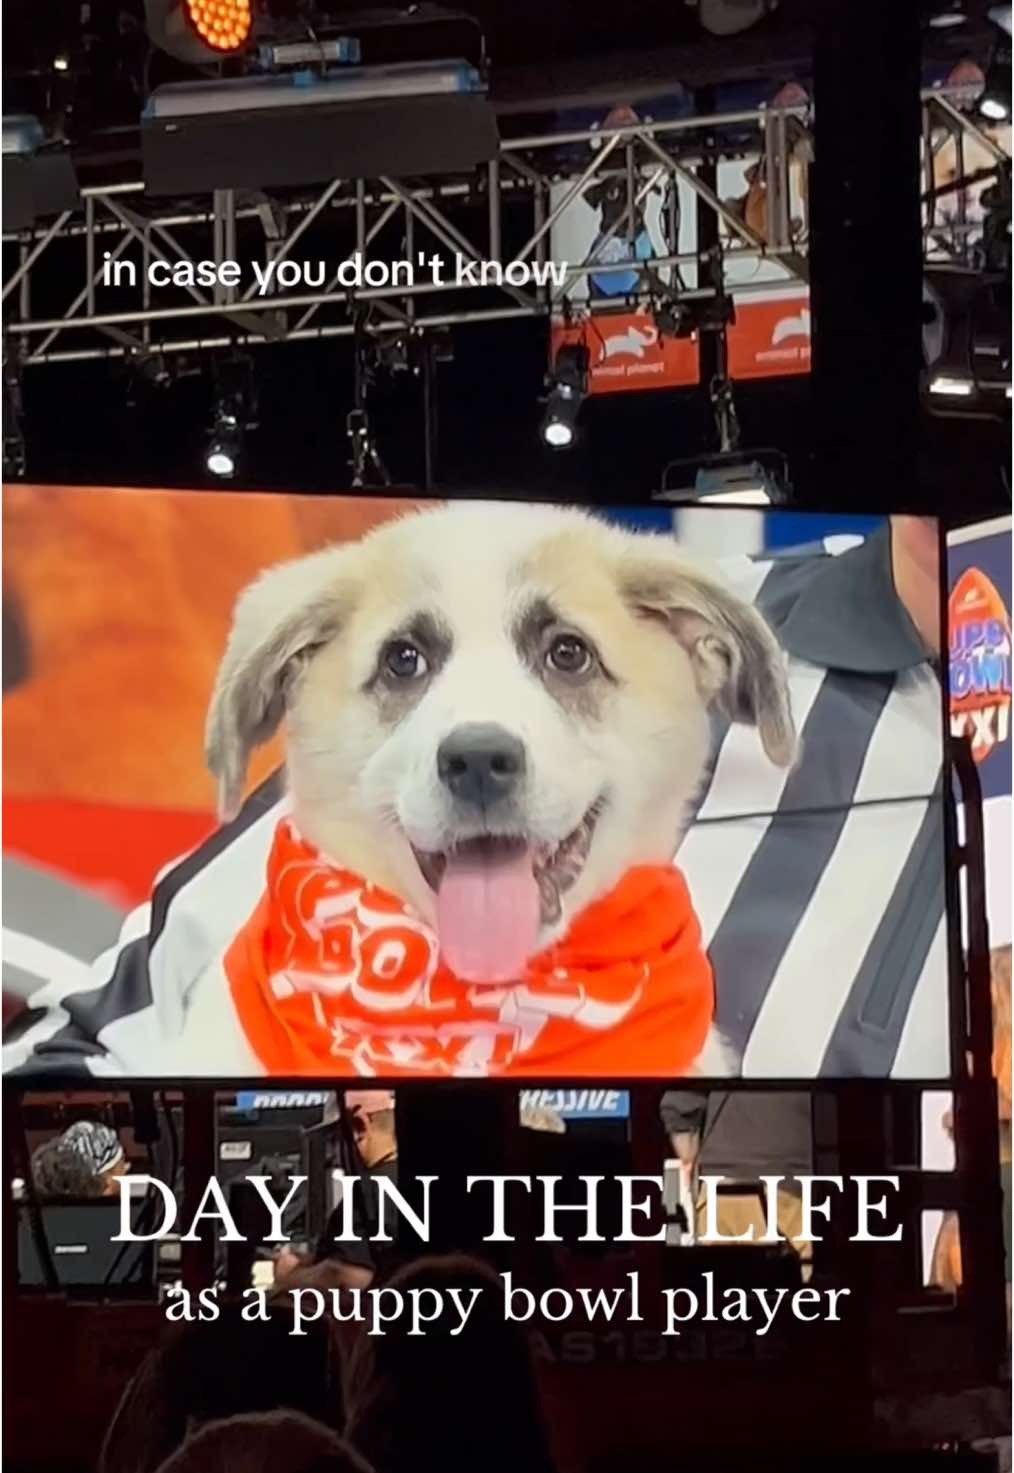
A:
(542, 53)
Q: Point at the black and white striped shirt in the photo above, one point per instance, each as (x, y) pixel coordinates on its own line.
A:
(820, 890)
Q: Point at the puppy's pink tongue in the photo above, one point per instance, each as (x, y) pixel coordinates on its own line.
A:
(488, 911)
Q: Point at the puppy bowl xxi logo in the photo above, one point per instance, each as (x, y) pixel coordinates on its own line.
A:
(980, 660)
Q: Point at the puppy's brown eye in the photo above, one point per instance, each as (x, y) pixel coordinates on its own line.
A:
(569, 655)
(404, 661)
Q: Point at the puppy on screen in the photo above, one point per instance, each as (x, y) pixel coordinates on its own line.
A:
(497, 715)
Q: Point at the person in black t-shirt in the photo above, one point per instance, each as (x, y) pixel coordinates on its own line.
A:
(371, 1117)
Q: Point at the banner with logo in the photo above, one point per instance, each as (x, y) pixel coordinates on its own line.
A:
(579, 1104)
(979, 574)
(630, 344)
(979, 580)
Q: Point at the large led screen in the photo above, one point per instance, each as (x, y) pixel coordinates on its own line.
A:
(314, 787)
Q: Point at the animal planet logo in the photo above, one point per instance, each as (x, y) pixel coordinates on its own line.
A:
(770, 339)
(633, 350)
(980, 663)
(791, 327)
(633, 342)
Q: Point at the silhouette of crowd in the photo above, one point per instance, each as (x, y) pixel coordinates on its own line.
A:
(236, 1396)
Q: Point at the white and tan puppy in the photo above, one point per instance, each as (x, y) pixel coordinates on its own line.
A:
(493, 710)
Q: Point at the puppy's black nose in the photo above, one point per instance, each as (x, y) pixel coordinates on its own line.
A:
(481, 764)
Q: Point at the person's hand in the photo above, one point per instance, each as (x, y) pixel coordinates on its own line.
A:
(328, 1274)
(686, 1144)
(288, 1261)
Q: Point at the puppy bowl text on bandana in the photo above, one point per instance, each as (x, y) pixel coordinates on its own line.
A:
(334, 976)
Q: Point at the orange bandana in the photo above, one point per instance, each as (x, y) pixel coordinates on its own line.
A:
(333, 976)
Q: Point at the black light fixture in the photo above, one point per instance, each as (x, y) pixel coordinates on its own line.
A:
(568, 389)
(995, 100)
(673, 318)
(946, 15)
(14, 459)
(966, 342)
(305, 110)
(730, 478)
(235, 412)
(40, 180)
(222, 455)
(731, 17)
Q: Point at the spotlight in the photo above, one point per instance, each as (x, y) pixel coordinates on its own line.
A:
(994, 100)
(198, 30)
(224, 25)
(674, 319)
(994, 107)
(947, 14)
(235, 413)
(741, 485)
(568, 389)
(966, 341)
(956, 388)
(750, 478)
(224, 447)
(730, 17)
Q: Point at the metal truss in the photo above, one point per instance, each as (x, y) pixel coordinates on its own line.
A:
(60, 307)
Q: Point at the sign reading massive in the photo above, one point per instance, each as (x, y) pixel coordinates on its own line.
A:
(309, 788)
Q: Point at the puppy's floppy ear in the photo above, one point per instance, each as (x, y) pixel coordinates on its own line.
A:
(279, 622)
(737, 661)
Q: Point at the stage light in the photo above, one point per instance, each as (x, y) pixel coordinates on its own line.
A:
(198, 31)
(674, 319)
(994, 109)
(568, 389)
(298, 127)
(730, 478)
(736, 483)
(730, 17)
(558, 433)
(947, 14)
(235, 412)
(23, 135)
(224, 25)
(220, 462)
(942, 383)
(39, 175)
(966, 341)
(559, 423)
(61, 63)
(994, 100)
(222, 456)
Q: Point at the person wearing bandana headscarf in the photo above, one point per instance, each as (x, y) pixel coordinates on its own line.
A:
(96, 1150)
